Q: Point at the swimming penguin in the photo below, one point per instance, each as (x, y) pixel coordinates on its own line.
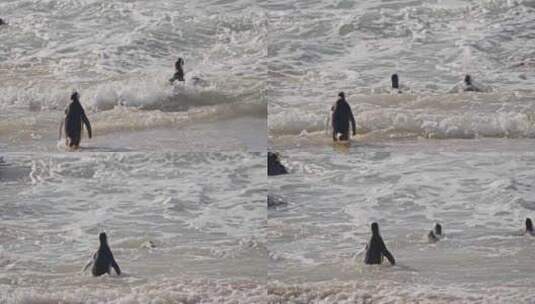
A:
(436, 234)
(74, 116)
(274, 165)
(2, 21)
(179, 73)
(469, 86)
(341, 117)
(103, 259)
(148, 244)
(438, 230)
(395, 82)
(376, 249)
(529, 227)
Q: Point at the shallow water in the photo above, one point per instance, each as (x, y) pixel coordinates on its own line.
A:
(319, 48)
(235, 134)
(119, 56)
(480, 191)
(430, 154)
(424, 156)
(204, 213)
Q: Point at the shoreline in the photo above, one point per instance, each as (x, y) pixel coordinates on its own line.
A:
(230, 134)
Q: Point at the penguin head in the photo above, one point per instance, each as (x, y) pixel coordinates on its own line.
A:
(103, 238)
(180, 61)
(395, 81)
(529, 225)
(272, 156)
(341, 95)
(438, 229)
(375, 228)
(467, 79)
(75, 96)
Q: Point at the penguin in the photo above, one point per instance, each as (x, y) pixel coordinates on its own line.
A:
(376, 248)
(469, 86)
(103, 259)
(395, 83)
(341, 117)
(74, 117)
(436, 234)
(274, 165)
(529, 227)
(179, 71)
(438, 230)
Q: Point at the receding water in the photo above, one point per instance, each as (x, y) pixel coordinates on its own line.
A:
(318, 48)
(204, 214)
(480, 191)
(119, 55)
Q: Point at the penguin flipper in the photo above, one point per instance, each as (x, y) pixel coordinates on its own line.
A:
(115, 267)
(61, 128)
(90, 262)
(87, 265)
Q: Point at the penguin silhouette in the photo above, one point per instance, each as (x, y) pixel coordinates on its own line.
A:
(376, 249)
(103, 259)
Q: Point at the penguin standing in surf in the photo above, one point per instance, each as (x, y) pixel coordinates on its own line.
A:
(376, 249)
(469, 86)
(74, 117)
(529, 227)
(103, 259)
(179, 71)
(341, 117)
(436, 234)
(395, 83)
(274, 165)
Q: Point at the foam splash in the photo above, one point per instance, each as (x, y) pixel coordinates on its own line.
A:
(434, 116)
(172, 243)
(357, 46)
(142, 92)
(126, 105)
(391, 292)
(121, 55)
(161, 291)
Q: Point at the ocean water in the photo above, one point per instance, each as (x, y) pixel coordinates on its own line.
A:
(203, 213)
(480, 191)
(194, 227)
(431, 154)
(318, 48)
(119, 55)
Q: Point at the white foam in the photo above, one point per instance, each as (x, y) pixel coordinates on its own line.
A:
(122, 54)
(440, 116)
(66, 199)
(478, 190)
(166, 291)
(431, 46)
(387, 291)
